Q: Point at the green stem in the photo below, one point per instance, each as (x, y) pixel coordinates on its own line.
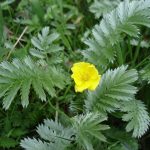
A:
(142, 62)
(67, 90)
(136, 53)
(56, 114)
(1, 26)
(57, 109)
(130, 49)
(119, 55)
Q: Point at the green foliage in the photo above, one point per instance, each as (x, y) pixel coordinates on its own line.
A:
(108, 34)
(6, 3)
(88, 127)
(21, 75)
(32, 144)
(57, 136)
(54, 132)
(137, 116)
(115, 86)
(1, 27)
(45, 46)
(40, 41)
(102, 7)
(83, 129)
(37, 9)
(121, 139)
(143, 44)
(20, 122)
(6, 142)
(116, 92)
(145, 73)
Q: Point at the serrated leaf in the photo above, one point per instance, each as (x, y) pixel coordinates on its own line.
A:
(125, 18)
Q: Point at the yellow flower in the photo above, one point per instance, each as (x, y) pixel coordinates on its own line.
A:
(85, 76)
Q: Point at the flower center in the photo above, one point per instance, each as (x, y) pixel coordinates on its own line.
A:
(85, 77)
